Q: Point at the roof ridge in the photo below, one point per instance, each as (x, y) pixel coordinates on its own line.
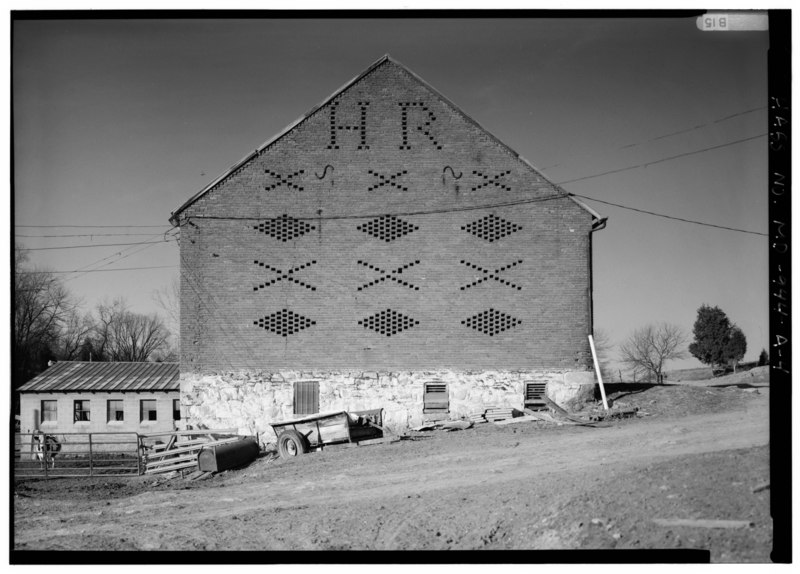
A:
(380, 61)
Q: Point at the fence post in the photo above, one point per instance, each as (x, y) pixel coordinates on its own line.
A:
(91, 465)
(138, 455)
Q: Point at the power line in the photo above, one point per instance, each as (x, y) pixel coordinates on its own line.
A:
(108, 270)
(682, 131)
(98, 245)
(83, 235)
(670, 216)
(697, 127)
(396, 214)
(97, 226)
(649, 163)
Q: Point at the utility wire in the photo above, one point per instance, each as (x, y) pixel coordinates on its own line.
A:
(108, 270)
(83, 235)
(670, 216)
(697, 127)
(678, 132)
(649, 163)
(97, 226)
(98, 245)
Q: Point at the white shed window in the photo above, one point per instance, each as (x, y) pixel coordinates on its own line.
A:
(148, 410)
(49, 412)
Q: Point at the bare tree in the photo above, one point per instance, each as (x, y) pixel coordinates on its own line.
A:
(650, 347)
(71, 340)
(121, 335)
(42, 306)
(168, 298)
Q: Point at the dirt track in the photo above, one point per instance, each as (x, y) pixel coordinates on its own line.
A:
(514, 487)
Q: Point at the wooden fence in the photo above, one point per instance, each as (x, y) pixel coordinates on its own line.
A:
(79, 454)
(115, 453)
(178, 450)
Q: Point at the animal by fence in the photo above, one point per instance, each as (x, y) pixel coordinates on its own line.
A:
(45, 449)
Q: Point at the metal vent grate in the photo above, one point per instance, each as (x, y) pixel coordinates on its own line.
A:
(387, 228)
(388, 322)
(491, 322)
(284, 323)
(284, 227)
(491, 228)
(435, 398)
(534, 394)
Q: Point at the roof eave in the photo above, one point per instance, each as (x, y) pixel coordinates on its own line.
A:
(174, 217)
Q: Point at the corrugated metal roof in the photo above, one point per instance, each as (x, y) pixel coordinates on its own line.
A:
(81, 376)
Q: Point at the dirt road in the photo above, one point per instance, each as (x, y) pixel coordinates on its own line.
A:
(514, 487)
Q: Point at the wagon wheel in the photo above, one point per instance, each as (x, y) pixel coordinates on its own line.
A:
(291, 443)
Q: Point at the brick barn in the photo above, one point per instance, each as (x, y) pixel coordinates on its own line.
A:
(384, 251)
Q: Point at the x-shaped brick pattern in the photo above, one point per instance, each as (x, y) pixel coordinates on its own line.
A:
(492, 275)
(390, 180)
(288, 275)
(287, 180)
(389, 275)
(495, 181)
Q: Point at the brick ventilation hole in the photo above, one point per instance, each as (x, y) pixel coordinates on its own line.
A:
(287, 180)
(389, 275)
(491, 322)
(387, 228)
(491, 228)
(487, 274)
(284, 323)
(495, 181)
(284, 276)
(284, 227)
(388, 322)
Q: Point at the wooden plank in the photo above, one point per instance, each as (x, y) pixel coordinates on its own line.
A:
(171, 468)
(703, 523)
(525, 419)
(191, 432)
(384, 440)
(165, 462)
(197, 447)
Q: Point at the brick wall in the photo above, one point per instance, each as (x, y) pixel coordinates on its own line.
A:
(288, 242)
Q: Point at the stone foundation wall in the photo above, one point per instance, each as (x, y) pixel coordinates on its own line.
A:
(250, 401)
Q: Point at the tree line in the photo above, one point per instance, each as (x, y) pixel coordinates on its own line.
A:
(50, 325)
(717, 342)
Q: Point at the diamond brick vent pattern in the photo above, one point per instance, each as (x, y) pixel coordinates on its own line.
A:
(388, 322)
(284, 323)
(491, 322)
(491, 228)
(387, 228)
(284, 227)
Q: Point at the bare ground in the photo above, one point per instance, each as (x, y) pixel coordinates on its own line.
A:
(698, 454)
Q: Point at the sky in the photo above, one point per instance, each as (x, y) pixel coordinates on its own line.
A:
(117, 123)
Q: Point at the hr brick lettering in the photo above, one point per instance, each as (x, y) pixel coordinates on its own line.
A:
(417, 126)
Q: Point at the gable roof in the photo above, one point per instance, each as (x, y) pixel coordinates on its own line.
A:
(599, 220)
(80, 376)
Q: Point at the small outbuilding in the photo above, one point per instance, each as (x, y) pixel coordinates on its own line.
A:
(97, 397)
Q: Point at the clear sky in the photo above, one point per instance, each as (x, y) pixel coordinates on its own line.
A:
(117, 123)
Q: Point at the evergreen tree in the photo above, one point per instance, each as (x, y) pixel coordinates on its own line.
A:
(735, 347)
(717, 341)
(711, 331)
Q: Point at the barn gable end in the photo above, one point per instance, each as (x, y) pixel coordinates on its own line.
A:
(383, 241)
